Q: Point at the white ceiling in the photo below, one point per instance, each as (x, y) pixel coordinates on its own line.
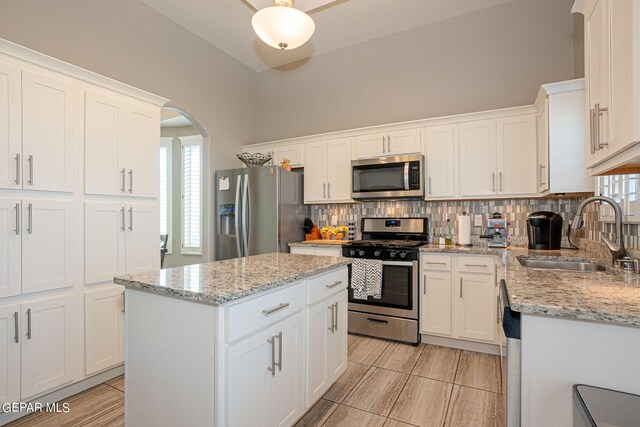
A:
(339, 23)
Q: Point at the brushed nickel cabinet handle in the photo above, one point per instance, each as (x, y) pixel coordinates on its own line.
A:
(124, 302)
(334, 284)
(477, 265)
(498, 310)
(124, 180)
(122, 227)
(17, 208)
(279, 307)
(461, 287)
(388, 143)
(336, 314)
(328, 190)
(384, 150)
(493, 178)
(17, 180)
(131, 219)
(272, 368)
(30, 160)
(331, 307)
(599, 113)
(424, 284)
(279, 364)
(435, 263)
(592, 125)
(324, 190)
(16, 334)
(429, 185)
(30, 217)
(29, 323)
(500, 181)
(130, 180)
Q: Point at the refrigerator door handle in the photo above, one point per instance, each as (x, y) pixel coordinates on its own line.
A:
(245, 214)
(237, 217)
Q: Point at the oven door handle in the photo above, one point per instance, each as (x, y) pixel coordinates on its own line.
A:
(399, 263)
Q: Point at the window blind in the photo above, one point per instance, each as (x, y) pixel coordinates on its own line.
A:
(192, 197)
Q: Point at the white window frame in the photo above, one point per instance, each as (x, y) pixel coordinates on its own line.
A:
(187, 141)
(618, 187)
(168, 144)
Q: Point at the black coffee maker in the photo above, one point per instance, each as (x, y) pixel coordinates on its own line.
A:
(544, 230)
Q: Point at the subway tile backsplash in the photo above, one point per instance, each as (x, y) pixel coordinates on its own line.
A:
(515, 210)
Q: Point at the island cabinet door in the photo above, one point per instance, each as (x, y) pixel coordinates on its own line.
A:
(319, 318)
(337, 342)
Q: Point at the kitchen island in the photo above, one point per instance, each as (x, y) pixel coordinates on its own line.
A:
(254, 341)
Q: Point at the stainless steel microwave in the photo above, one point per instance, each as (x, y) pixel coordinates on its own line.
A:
(393, 177)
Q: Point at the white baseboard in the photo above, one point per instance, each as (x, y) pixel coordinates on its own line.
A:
(461, 344)
(65, 392)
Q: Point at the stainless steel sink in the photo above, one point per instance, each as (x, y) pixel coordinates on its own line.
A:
(556, 264)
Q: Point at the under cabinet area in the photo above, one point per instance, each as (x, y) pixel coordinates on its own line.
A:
(459, 297)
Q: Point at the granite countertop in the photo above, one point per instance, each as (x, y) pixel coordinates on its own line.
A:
(611, 296)
(224, 281)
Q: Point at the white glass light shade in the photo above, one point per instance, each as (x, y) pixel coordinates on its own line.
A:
(283, 27)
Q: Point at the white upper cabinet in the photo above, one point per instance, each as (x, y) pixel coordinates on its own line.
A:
(543, 146)
(48, 132)
(142, 151)
(439, 151)
(295, 154)
(10, 127)
(516, 153)
(48, 245)
(478, 147)
(386, 144)
(10, 248)
(143, 239)
(328, 177)
(104, 145)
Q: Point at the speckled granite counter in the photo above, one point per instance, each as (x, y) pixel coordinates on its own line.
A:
(611, 296)
(224, 281)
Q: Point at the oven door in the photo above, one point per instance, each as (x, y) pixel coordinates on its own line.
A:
(399, 291)
(387, 177)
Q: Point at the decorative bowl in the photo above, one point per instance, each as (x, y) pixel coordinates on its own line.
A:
(254, 160)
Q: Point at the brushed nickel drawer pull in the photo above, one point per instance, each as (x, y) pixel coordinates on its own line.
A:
(477, 265)
(334, 284)
(270, 311)
(435, 263)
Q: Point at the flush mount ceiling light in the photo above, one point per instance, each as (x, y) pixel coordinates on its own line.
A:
(283, 27)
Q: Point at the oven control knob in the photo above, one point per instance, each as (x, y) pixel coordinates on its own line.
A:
(377, 253)
(392, 254)
(361, 253)
(403, 255)
(352, 252)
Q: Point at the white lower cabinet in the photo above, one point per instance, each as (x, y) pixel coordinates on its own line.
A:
(267, 369)
(104, 328)
(10, 336)
(459, 297)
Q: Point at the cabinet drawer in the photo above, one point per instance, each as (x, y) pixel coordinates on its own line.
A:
(247, 317)
(436, 262)
(469, 264)
(318, 288)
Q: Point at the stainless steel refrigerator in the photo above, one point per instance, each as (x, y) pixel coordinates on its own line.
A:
(258, 210)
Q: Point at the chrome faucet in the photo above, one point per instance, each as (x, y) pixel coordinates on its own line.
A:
(617, 247)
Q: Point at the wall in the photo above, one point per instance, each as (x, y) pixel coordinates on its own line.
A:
(494, 58)
(130, 42)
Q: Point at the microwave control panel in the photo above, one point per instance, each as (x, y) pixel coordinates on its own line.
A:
(414, 176)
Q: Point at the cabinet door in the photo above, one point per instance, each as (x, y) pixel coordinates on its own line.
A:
(287, 390)
(48, 132)
(474, 302)
(143, 238)
(10, 248)
(315, 172)
(10, 337)
(339, 170)
(517, 155)
(318, 331)
(104, 145)
(436, 303)
(142, 151)
(403, 142)
(440, 161)
(478, 158)
(337, 347)
(543, 148)
(10, 127)
(104, 328)
(48, 245)
(48, 344)
(295, 154)
(368, 146)
(104, 241)
(249, 381)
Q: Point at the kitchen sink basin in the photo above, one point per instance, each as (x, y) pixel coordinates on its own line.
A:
(556, 264)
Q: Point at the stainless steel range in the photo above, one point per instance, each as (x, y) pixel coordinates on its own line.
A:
(395, 242)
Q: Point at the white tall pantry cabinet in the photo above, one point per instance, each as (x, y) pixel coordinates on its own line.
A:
(78, 206)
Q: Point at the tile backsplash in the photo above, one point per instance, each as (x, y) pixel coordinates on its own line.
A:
(515, 210)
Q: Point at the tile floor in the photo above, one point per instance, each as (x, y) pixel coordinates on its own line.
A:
(386, 384)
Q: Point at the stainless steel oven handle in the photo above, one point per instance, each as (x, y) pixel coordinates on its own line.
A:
(406, 176)
(398, 263)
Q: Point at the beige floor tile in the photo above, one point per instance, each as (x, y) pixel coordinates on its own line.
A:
(473, 407)
(399, 357)
(341, 388)
(83, 407)
(117, 382)
(438, 363)
(479, 370)
(352, 417)
(366, 350)
(396, 423)
(318, 414)
(351, 339)
(423, 402)
(378, 391)
(113, 418)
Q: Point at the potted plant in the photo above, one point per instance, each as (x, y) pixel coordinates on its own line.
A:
(340, 232)
(327, 232)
